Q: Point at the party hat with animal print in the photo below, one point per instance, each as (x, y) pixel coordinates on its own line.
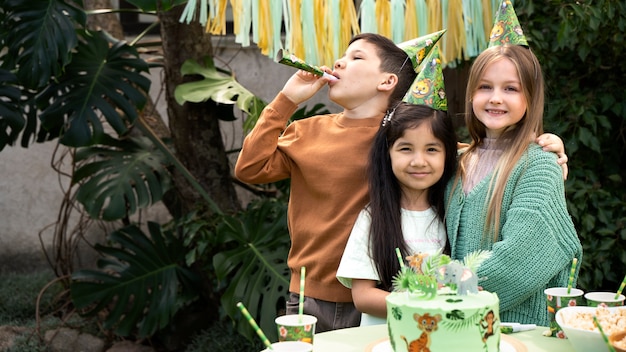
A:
(418, 48)
(506, 28)
(428, 87)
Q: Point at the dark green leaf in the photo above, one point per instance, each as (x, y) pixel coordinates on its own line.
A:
(103, 78)
(119, 177)
(256, 267)
(137, 284)
(41, 36)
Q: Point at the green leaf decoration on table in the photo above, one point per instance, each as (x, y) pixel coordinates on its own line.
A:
(140, 282)
(118, 177)
(105, 79)
(217, 85)
(40, 36)
(254, 271)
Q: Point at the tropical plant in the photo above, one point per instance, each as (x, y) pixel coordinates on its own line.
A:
(141, 283)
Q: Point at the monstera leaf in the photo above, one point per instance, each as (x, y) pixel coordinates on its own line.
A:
(40, 37)
(120, 176)
(255, 269)
(104, 78)
(11, 120)
(217, 86)
(140, 284)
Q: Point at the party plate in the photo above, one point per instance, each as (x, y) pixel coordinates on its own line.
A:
(507, 344)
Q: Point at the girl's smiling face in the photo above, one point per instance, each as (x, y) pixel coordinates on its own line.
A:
(418, 161)
(498, 101)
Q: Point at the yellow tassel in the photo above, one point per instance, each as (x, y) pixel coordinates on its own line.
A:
(383, 14)
(217, 23)
(297, 45)
(265, 28)
(434, 16)
(456, 41)
(237, 13)
(410, 21)
(350, 26)
(488, 17)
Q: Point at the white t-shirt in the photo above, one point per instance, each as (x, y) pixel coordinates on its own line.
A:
(422, 230)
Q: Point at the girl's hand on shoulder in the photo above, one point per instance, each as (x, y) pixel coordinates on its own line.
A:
(553, 143)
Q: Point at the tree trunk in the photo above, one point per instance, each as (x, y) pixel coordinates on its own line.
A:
(196, 134)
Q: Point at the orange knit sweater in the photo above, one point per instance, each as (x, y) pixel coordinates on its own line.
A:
(326, 158)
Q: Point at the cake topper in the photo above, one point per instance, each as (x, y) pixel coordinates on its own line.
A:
(425, 273)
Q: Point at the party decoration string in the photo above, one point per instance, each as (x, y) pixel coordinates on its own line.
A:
(326, 26)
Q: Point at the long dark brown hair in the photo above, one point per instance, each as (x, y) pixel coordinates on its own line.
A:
(384, 188)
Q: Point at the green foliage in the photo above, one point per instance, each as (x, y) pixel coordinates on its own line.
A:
(254, 269)
(120, 176)
(141, 283)
(98, 70)
(582, 46)
(67, 77)
(40, 36)
(154, 5)
(217, 85)
(12, 122)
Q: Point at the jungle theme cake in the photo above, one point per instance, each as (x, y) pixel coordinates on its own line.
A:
(436, 306)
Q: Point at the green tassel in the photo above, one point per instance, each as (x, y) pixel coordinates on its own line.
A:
(245, 22)
(397, 20)
(368, 17)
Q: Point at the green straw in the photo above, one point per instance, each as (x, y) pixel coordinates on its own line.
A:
(606, 339)
(301, 303)
(621, 287)
(571, 275)
(254, 325)
(399, 255)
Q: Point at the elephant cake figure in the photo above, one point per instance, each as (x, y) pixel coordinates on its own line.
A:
(461, 276)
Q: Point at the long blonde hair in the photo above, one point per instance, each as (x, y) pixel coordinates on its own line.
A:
(516, 138)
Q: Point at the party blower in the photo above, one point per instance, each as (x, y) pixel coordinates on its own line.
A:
(284, 57)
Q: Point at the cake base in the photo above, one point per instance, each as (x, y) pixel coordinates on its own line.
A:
(445, 323)
(507, 344)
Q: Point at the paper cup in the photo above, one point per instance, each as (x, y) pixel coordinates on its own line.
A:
(290, 346)
(292, 328)
(559, 298)
(605, 299)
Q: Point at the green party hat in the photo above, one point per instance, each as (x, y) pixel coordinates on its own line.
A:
(418, 48)
(428, 87)
(506, 28)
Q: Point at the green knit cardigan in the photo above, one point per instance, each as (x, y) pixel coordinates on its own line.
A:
(537, 240)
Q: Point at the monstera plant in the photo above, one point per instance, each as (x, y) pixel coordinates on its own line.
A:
(85, 90)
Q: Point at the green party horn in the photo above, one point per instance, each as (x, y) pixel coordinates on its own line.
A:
(285, 58)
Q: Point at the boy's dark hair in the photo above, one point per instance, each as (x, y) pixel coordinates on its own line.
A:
(384, 188)
(393, 60)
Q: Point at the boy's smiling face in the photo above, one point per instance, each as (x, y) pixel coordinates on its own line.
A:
(359, 76)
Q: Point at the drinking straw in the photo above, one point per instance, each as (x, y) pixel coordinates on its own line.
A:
(606, 339)
(399, 255)
(571, 276)
(254, 325)
(621, 287)
(301, 303)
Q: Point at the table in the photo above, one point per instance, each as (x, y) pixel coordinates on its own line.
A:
(357, 339)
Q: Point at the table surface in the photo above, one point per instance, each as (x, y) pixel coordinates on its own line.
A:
(358, 339)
